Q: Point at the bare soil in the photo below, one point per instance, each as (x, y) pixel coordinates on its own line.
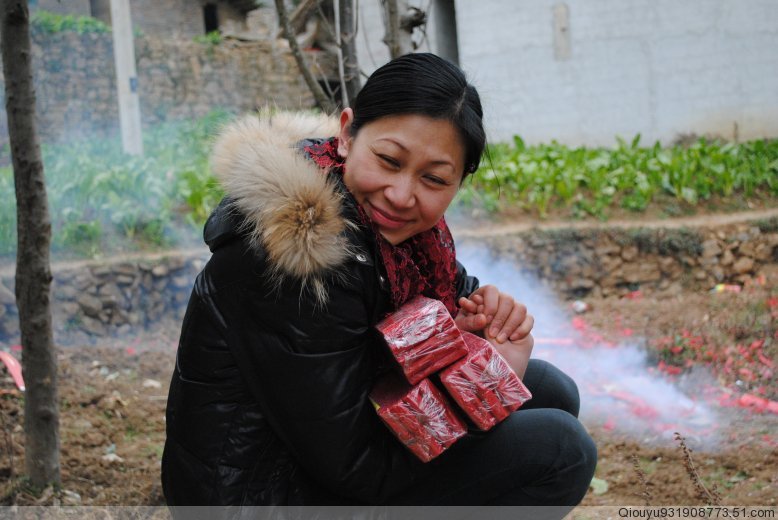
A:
(113, 401)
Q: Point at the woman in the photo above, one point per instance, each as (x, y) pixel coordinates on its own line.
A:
(317, 240)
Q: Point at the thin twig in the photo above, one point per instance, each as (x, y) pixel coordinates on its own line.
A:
(710, 497)
(646, 494)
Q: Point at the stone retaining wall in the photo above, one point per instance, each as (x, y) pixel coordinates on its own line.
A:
(98, 299)
(75, 81)
(616, 261)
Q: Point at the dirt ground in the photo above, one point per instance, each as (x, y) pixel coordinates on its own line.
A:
(113, 400)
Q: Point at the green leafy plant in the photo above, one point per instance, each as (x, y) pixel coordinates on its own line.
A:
(51, 23)
(212, 38)
(102, 200)
(594, 181)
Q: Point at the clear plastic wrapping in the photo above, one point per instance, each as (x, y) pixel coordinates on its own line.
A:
(483, 384)
(422, 337)
(419, 416)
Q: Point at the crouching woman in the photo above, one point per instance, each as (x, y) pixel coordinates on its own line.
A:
(316, 241)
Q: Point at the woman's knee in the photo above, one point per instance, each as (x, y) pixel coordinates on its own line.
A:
(551, 388)
(571, 457)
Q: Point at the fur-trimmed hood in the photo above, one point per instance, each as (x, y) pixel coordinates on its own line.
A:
(290, 208)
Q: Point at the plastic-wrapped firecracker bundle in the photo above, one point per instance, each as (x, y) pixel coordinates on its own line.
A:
(422, 337)
(483, 384)
(420, 416)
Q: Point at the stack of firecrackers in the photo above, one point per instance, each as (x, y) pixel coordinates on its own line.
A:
(425, 341)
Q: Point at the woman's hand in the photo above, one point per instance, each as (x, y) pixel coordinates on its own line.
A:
(516, 353)
(495, 314)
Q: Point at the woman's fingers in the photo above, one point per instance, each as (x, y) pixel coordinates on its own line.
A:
(518, 313)
(503, 319)
(491, 300)
(499, 324)
(468, 305)
(524, 329)
(470, 322)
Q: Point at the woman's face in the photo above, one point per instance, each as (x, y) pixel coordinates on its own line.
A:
(403, 170)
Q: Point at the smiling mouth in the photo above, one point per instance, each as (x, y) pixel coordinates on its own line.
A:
(384, 219)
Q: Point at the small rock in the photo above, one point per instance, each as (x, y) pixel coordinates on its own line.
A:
(727, 258)
(580, 307)
(629, 253)
(125, 269)
(71, 498)
(82, 424)
(176, 262)
(124, 279)
(581, 283)
(160, 271)
(112, 457)
(83, 282)
(66, 292)
(181, 281)
(101, 271)
(93, 326)
(69, 309)
(747, 249)
(151, 383)
(743, 265)
(710, 248)
(90, 304)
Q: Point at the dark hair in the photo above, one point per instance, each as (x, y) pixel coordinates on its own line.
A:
(428, 85)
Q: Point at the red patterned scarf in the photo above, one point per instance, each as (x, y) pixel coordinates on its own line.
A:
(424, 264)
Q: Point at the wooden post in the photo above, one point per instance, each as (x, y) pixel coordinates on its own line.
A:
(126, 77)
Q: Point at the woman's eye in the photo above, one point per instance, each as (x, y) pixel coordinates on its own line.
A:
(436, 180)
(389, 161)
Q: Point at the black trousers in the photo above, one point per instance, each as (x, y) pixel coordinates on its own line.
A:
(539, 456)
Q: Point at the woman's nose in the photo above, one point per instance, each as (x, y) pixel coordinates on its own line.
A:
(400, 192)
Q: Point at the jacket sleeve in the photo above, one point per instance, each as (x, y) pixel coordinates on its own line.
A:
(465, 284)
(311, 370)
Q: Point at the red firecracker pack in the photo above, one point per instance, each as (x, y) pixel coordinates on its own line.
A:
(422, 337)
(483, 384)
(420, 416)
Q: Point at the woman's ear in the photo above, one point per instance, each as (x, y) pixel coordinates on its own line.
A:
(345, 137)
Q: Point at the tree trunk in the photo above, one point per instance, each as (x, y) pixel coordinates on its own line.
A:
(396, 37)
(33, 273)
(324, 102)
(350, 83)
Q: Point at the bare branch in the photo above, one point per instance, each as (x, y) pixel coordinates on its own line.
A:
(324, 102)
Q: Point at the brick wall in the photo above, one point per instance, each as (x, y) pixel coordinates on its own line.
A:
(655, 67)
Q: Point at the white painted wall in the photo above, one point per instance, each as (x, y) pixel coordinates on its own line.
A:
(660, 68)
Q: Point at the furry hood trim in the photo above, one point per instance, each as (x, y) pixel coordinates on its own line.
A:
(291, 208)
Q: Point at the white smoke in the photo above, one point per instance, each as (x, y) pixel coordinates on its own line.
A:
(619, 389)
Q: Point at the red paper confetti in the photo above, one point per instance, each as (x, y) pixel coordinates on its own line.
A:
(14, 368)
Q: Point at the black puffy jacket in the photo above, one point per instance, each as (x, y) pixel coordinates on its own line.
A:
(268, 401)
